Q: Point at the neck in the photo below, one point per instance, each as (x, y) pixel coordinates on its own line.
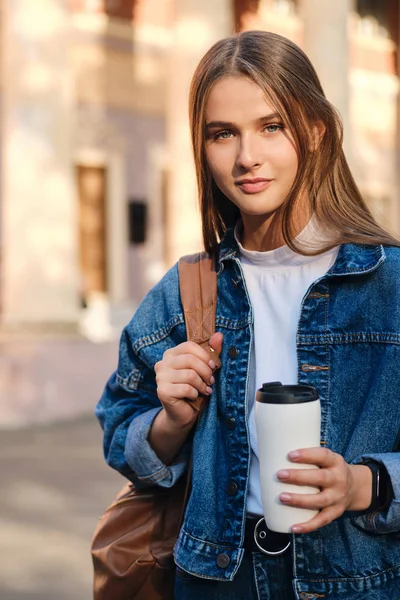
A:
(262, 233)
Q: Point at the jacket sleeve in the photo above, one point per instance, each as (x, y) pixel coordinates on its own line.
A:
(388, 519)
(129, 403)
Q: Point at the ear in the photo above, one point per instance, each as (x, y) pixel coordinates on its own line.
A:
(317, 133)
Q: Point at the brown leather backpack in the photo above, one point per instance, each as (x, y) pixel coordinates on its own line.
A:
(132, 548)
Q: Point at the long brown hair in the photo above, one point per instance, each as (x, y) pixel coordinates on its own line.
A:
(290, 83)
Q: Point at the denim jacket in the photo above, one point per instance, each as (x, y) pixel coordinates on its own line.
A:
(348, 347)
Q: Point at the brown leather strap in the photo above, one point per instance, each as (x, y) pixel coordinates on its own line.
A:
(198, 289)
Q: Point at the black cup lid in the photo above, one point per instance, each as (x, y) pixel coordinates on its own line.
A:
(276, 393)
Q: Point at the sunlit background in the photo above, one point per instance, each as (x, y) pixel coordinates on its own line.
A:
(98, 199)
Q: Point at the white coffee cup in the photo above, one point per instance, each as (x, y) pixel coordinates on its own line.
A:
(288, 417)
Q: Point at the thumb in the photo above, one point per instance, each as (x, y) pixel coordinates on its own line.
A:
(216, 341)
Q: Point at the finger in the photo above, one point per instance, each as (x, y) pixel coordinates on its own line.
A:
(214, 348)
(215, 361)
(322, 457)
(216, 341)
(188, 348)
(316, 501)
(171, 393)
(324, 517)
(188, 361)
(190, 376)
(318, 478)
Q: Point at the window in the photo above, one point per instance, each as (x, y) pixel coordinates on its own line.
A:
(285, 7)
(137, 221)
(374, 17)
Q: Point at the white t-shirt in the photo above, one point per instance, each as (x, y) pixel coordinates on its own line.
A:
(276, 282)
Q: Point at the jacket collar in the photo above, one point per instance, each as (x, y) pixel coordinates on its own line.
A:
(352, 259)
(228, 247)
(357, 259)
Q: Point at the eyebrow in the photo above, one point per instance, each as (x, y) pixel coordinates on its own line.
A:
(214, 124)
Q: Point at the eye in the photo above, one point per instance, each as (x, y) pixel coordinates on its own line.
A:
(273, 127)
(223, 135)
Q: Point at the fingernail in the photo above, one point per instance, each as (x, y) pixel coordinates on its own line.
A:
(212, 380)
(285, 497)
(283, 474)
(212, 364)
(209, 391)
(294, 454)
(296, 529)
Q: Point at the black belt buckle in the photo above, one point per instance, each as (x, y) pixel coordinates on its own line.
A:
(270, 542)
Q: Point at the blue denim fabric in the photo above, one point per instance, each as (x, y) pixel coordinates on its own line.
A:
(147, 464)
(348, 347)
(260, 577)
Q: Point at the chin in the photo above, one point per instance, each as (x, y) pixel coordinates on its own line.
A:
(264, 211)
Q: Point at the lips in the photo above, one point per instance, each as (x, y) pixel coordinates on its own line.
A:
(253, 186)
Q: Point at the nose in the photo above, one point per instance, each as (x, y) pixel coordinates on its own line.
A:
(249, 153)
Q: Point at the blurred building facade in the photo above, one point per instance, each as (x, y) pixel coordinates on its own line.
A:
(98, 196)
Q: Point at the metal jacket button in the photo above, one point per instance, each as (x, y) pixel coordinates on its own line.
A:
(223, 560)
(233, 352)
(231, 488)
(230, 422)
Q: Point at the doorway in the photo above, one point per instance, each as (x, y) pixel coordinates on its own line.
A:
(92, 226)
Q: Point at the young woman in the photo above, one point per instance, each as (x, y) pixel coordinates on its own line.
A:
(308, 292)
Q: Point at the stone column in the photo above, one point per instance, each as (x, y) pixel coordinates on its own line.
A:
(197, 25)
(39, 274)
(326, 43)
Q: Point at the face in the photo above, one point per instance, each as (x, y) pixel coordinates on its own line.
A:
(250, 153)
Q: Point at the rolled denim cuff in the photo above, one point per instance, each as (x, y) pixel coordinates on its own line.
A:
(142, 459)
(386, 520)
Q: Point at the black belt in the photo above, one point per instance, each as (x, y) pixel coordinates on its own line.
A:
(258, 538)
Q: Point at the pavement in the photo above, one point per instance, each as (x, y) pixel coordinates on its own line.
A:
(54, 486)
